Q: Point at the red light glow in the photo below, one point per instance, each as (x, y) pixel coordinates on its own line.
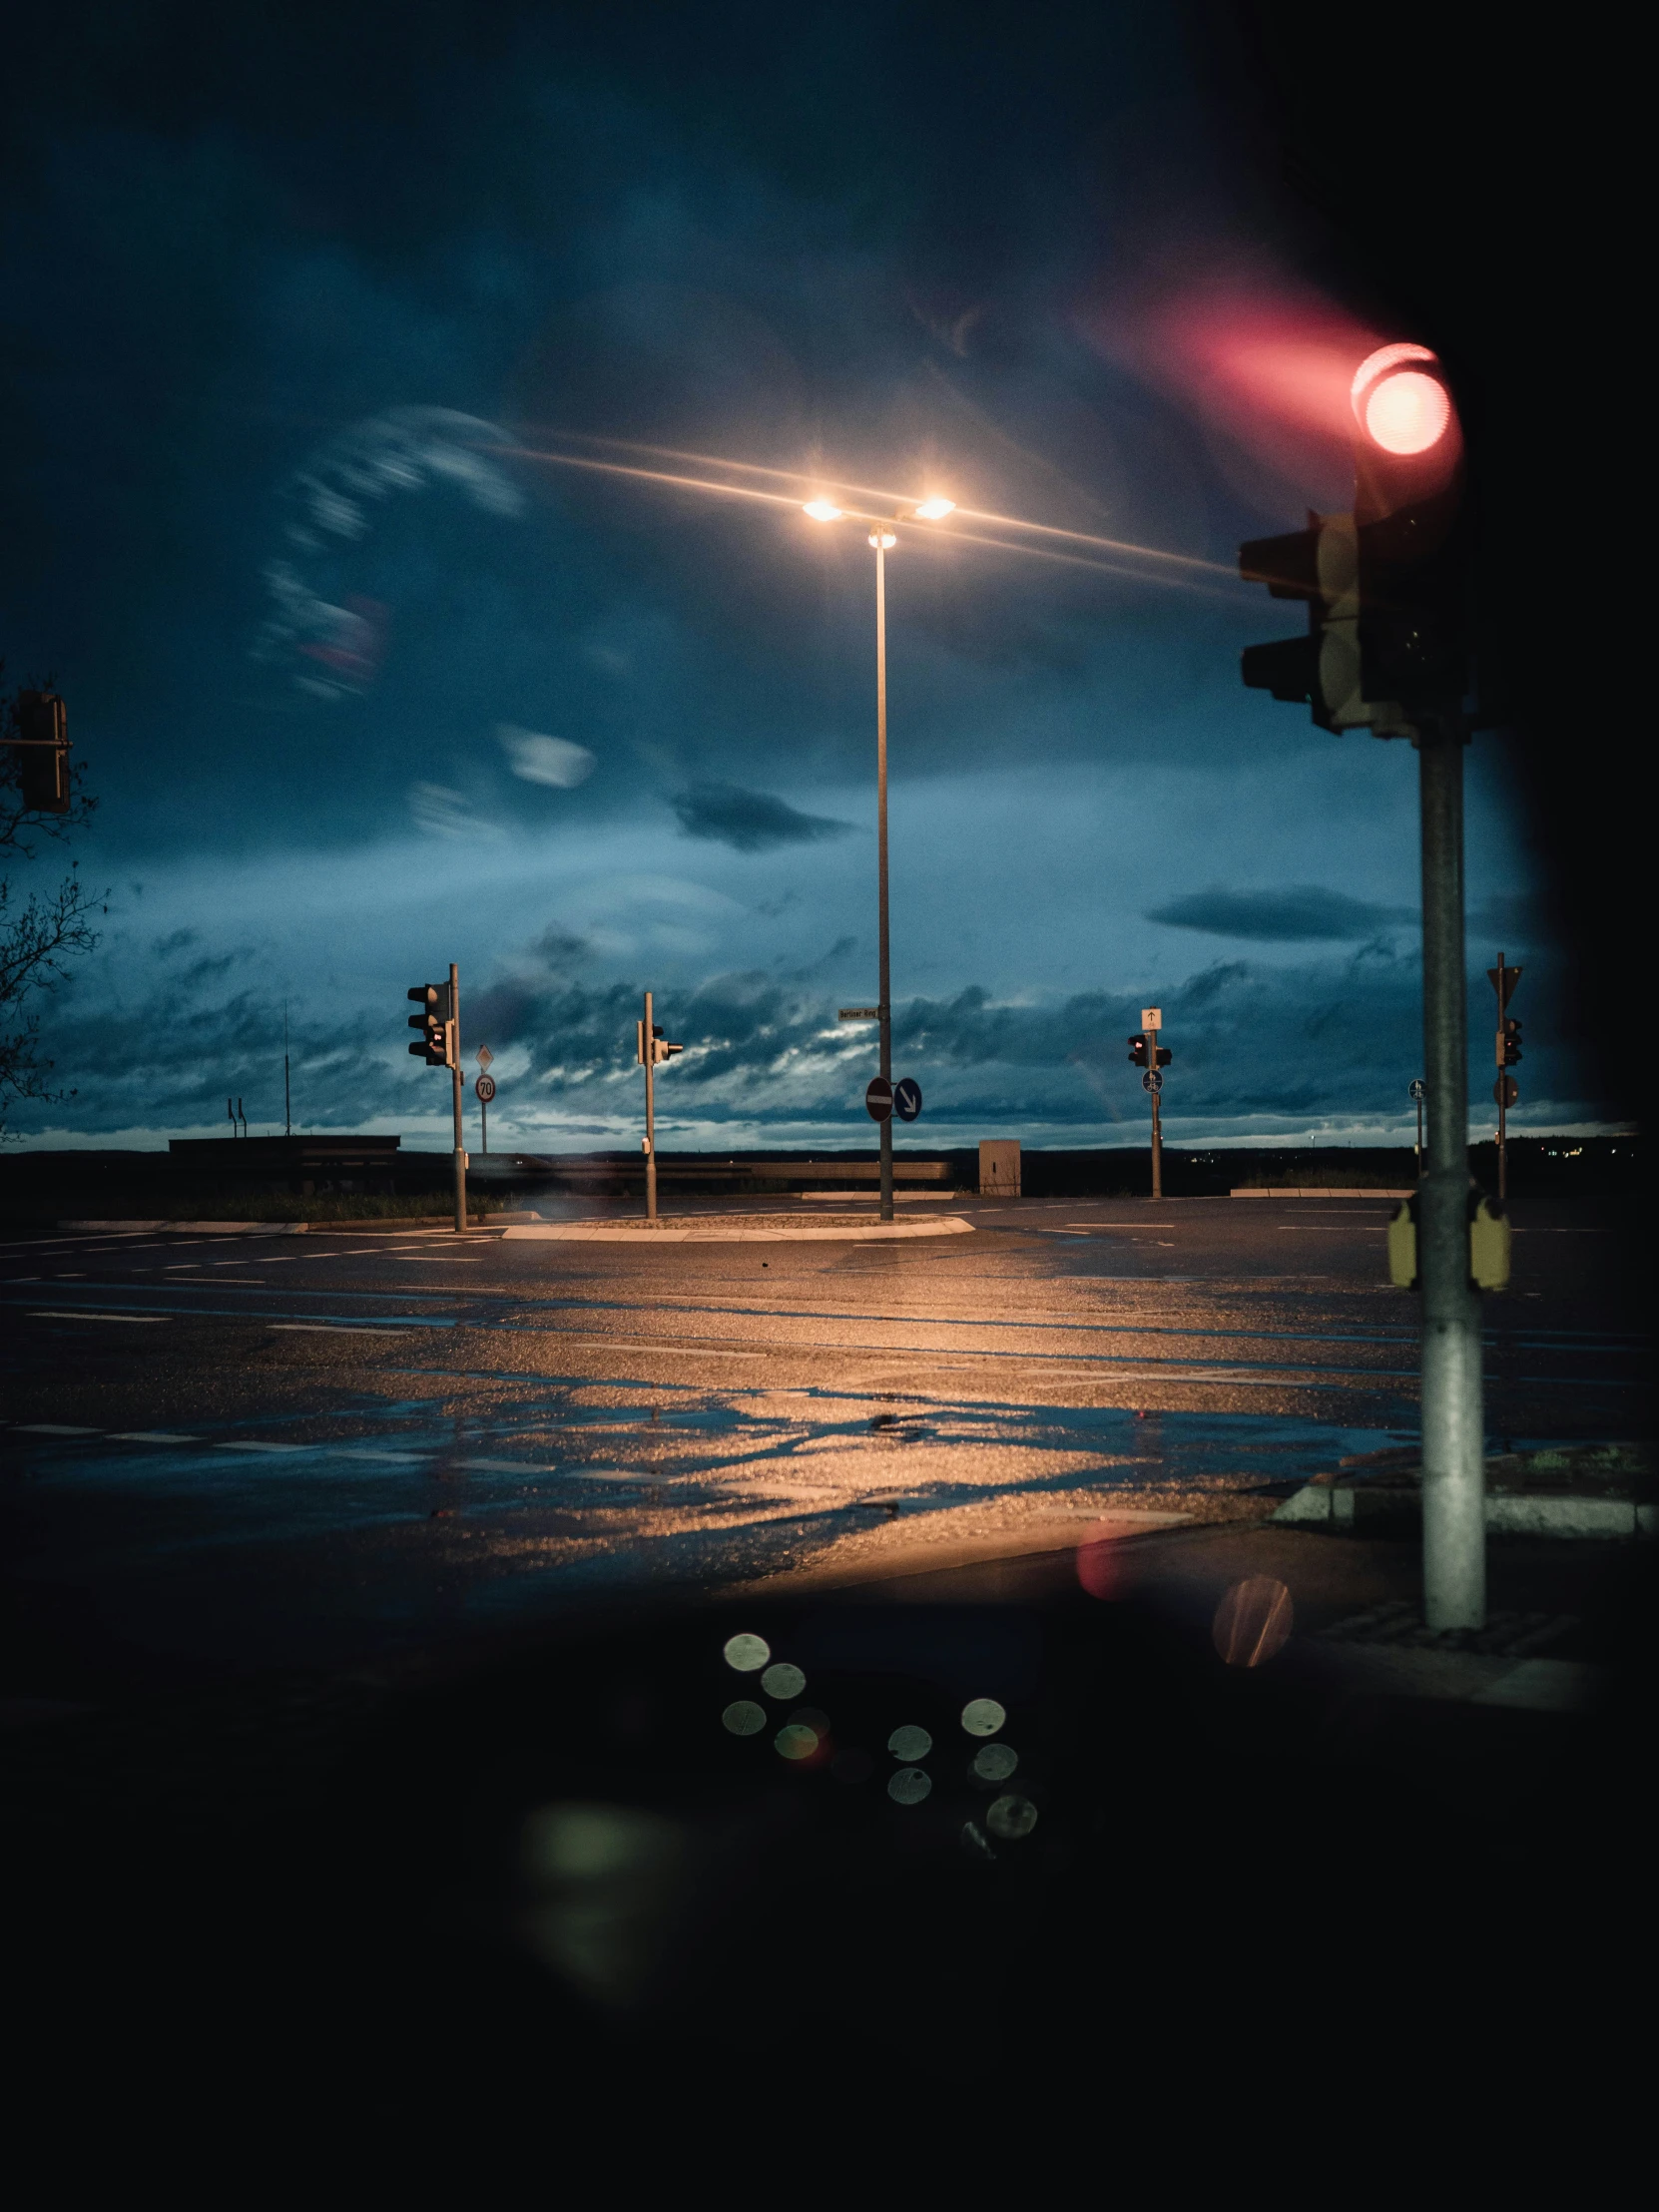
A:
(1399, 399)
(1408, 412)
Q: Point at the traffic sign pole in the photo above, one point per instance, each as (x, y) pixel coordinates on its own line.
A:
(1151, 1023)
(1454, 1466)
(457, 1092)
(884, 989)
(648, 1055)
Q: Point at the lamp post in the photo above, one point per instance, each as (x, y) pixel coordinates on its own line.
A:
(882, 538)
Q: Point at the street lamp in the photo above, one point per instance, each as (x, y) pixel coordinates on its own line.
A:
(882, 538)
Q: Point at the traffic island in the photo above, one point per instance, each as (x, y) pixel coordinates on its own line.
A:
(1604, 1490)
(745, 1229)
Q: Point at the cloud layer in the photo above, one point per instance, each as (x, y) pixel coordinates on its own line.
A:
(750, 822)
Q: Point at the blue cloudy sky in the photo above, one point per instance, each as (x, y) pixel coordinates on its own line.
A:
(369, 675)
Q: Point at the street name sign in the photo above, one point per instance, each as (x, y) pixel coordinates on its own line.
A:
(860, 1014)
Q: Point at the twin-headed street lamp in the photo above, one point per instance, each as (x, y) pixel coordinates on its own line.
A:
(882, 537)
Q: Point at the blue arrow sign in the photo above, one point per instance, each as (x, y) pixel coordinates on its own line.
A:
(906, 1099)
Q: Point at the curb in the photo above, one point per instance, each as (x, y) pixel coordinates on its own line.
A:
(859, 1232)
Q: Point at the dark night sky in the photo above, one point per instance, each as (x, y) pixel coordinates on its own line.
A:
(298, 302)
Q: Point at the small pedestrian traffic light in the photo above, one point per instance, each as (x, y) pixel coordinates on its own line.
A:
(432, 1045)
(1509, 1042)
(1163, 1056)
(1138, 1052)
(42, 745)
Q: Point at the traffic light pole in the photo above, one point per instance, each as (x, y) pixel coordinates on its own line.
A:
(457, 1093)
(1454, 1466)
(649, 1054)
(1502, 1085)
(1156, 1125)
(884, 993)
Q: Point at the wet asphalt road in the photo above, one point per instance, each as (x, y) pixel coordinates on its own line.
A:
(242, 1452)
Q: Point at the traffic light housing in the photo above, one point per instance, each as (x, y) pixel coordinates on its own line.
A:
(42, 745)
(432, 1045)
(1322, 566)
(1162, 1056)
(661, 1049)
(1509, 1042)
(1386, 586)
(1138, 1052)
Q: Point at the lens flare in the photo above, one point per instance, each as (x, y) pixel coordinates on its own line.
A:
(935, 510)
(822, 510)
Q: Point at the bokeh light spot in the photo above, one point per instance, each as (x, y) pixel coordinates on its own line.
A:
(910, 1786)
(982, 1716)
(1011, 1817)
(795, 1741)
(747, 1653)
(995, 1762)
(783, 1680)
(745, 1718)
(910, 1743)
(1253, 1621)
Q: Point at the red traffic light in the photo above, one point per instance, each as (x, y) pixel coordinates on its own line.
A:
(1399, 400)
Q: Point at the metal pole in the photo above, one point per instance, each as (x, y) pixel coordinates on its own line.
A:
(1153, 1036)
(1453, 1470)
(650, 1056)
(485, 1121)
(287, 1104)
(457, 1095)
(1503, 1091)
(885, 995)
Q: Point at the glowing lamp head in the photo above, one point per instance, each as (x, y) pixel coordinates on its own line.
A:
(1399, 401)
(882, 540)
(935, 510)
(822, 510)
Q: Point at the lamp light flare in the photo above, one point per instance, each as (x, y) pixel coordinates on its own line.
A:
(882, 540)
(822, 510)
(935, 510)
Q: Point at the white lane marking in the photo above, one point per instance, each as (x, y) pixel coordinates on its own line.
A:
(335, 1329)
(94, 1313)
(644, 1343)
(51, 1429)
(217, 1447)
(359, 1451)
(504, 1466)
(147, 1436)
(444, 1258)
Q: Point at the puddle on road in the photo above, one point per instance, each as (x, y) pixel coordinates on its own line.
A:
(409, 1519)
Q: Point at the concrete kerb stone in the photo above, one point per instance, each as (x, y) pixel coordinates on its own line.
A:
(742, 1229)
(1595, 1491)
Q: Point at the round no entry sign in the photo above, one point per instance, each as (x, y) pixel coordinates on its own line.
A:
(878, 1099)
